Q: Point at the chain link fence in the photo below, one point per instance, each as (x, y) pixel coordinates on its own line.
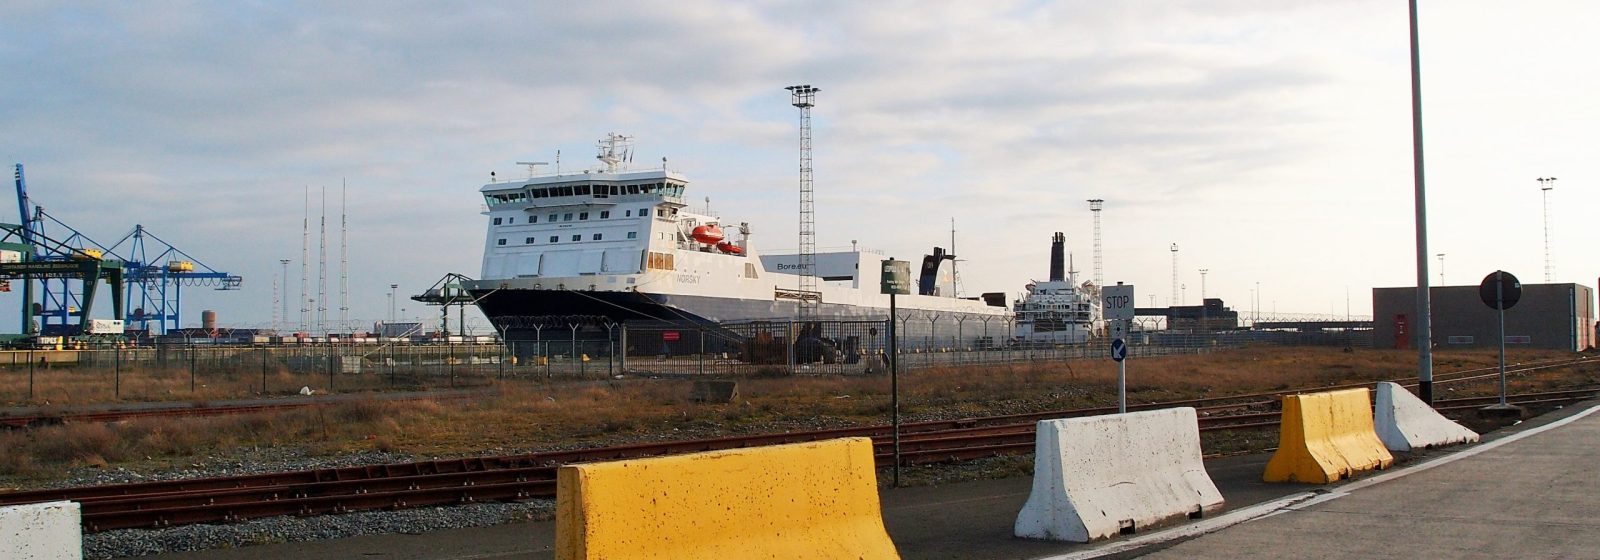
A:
(584, 348)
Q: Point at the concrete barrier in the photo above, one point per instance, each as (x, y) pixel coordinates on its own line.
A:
(47, 531)
(1324, 437)
(806, 500)
(1404, 422)
(1098, 476)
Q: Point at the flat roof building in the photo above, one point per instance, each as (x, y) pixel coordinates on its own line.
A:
(1552, 316)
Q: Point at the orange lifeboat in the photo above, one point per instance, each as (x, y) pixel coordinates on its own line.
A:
(709, 234)
(729, 248)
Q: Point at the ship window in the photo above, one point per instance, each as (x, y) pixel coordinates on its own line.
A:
(633, 189)
(528, 241)
(633, 235)
(577, 237)
(616, 190)
(583, 190)
(533, 219)
(511, 220)
(749, 270)
(661, 212)
(596, 237)
(644, 212)
(605, 214)
(554, 239)
(553, 217)
(537, 193)
(566, 217)
(627, 213)
(500, 242)
(566, 191)
(583, 215)
(497, 221)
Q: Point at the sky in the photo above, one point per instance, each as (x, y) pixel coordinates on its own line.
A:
(1269, 139)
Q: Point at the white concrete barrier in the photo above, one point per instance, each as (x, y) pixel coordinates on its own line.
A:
(1099, 476)
(1404, 422)
(48, 531)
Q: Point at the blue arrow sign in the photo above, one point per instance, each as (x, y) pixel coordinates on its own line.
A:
(1119, 349)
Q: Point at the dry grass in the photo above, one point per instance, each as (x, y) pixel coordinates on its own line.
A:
(541, 415)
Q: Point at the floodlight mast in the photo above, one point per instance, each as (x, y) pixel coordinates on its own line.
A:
(804, 97)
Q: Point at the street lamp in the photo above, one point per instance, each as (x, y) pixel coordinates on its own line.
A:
(392, 288)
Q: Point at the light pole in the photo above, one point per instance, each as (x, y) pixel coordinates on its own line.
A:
(1545, 185)
(1441, 269)
(1422, 332)
(392, 288)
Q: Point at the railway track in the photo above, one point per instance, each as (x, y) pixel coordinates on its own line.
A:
(521, 477)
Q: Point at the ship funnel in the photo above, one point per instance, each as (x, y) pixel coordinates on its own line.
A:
(1058, 248)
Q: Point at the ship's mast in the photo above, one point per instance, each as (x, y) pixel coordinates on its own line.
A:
(804, 98)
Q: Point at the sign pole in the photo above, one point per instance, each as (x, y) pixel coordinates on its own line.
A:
(895, 279)
(1500, 303)
(1500, 290)
(1122, 379)
(1117, 303)
(894, 385)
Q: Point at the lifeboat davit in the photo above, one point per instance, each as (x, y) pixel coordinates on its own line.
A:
(729, 248)
(709, 234)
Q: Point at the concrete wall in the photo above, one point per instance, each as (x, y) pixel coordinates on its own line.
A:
(1551, 316)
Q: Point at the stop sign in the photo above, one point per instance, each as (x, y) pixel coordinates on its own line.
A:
(1500, 290)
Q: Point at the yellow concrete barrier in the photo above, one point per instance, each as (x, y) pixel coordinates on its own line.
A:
(1325, 437)
(815, 500)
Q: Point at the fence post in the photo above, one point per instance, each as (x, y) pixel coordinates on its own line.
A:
(30, 374)
(788, 343)
(191, 368)
(450, 361)
(116, 372)
(327, 358)
(702, 350)
(264, 354)
(622, 359)
(500, 355)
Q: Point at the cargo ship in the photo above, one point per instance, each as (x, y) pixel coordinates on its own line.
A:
(613, 244)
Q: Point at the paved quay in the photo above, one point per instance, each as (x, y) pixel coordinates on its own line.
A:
(1533, 495)
(1523, 493)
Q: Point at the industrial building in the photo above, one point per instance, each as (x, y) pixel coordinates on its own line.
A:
(1211, 315)
(1551, 316)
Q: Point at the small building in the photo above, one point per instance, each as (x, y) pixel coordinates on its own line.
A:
(1551, 316)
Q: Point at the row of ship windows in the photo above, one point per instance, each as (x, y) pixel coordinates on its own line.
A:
(575, 237)
(598, 191)
(567, 217)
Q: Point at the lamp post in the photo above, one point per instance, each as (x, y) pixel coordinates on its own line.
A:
(1546, 184)
(392, 288)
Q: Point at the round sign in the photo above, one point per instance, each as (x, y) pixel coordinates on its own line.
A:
(1500, 290)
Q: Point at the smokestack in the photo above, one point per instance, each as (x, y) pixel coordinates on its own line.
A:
(1058, 249)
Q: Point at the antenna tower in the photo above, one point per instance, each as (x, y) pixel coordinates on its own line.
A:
(344, 262)
(322, 266)
(285, 303)
(1099, 273)
(1545, 185)
(1174, 274)
(804, 98)
(305, 265)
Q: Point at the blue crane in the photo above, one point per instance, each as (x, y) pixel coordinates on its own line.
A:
(156, 273)
(61, 304)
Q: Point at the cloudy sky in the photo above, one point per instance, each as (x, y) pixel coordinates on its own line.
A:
(1269, 139)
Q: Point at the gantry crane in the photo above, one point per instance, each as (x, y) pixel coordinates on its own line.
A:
(156, 273)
